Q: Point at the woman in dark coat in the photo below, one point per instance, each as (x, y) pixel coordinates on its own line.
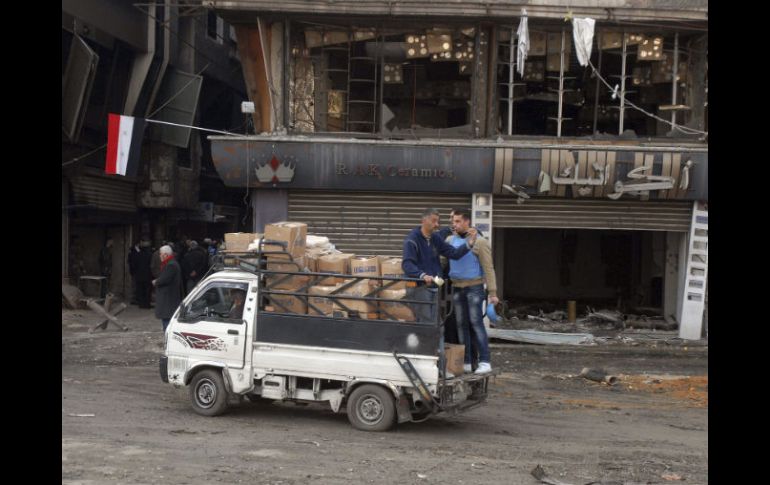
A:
(169, 286)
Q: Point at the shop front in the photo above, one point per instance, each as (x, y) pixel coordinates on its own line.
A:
(603, 225)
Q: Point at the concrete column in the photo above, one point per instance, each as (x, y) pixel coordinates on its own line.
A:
(269, 206)
(498, 257)
(681, 274)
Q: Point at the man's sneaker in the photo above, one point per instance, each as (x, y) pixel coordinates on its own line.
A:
(467, 368)
(483, 368)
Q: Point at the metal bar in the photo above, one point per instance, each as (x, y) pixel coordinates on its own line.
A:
(598, 83)
(381, 61)
(623, 83)
(347, 118)
(287, 70)
(511, 67)
(334, 137)
(342, 296)
(674, 74)
(561, 85)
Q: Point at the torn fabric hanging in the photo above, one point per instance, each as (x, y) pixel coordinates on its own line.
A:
(583, 32)
(523, 46)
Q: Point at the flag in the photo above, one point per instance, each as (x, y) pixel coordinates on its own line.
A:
(124, 144)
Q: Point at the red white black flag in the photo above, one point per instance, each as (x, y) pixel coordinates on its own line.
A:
(124, 144)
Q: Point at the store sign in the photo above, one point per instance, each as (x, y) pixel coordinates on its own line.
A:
(377, 170)
(353, 166)
(598, 173)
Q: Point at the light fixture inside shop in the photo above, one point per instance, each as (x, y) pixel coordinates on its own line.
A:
(438, 43)
(416, 46)
(392, 74)
(651, 49)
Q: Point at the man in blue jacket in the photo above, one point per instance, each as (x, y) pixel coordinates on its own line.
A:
(422, 248)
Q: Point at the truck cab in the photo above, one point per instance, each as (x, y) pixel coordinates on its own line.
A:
(230, 337)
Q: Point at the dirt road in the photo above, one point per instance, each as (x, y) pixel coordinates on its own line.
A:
(650, 428)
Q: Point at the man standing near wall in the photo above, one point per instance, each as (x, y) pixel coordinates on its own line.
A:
(468, 275)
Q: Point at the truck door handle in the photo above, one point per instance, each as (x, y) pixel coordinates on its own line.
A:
(232, 332)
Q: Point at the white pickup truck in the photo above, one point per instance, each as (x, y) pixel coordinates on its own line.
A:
(222, 342)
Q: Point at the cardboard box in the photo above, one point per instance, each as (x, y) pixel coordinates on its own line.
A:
(292, 304)
(282, 282)
(455, 358)
(398, 311)
(391, 268)
(313, 255)
(334, 263)
(365, 266)
(361, 288)
(294, 234)
(326, 305)
(239, 241)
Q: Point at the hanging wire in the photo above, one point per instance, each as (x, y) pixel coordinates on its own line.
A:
(683, 129)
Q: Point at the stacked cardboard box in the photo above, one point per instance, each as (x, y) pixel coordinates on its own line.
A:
(238, 242)
(334, 263)
(365, 266)
(391, 268)
(364, 308)
(292, 235)
(394, 310)
(325, 306)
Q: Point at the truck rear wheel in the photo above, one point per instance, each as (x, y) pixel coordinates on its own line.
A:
(371, 408)
(207, 393)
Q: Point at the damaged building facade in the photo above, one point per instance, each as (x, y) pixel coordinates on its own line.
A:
(590, 180)
(157, 60)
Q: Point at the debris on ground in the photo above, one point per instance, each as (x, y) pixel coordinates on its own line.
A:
(598, 375)
(612, 316)
(671, 476)
(690, 389)
(542, 477)
(544, 338)
(71, 296)
(643, 321)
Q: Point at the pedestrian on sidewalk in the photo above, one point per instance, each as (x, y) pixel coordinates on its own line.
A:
(169, 286)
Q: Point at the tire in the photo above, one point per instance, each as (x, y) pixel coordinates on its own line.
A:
(371, 408)
(208, 395)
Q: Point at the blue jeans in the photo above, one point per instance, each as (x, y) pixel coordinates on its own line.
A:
(165, 322)
(470, 321)
(422, 312)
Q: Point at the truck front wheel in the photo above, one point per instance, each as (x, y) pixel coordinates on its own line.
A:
(371, 408)
(207, 393)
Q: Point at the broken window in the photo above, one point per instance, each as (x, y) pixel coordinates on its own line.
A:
(394, 82)
(555, 96)
(77, 81)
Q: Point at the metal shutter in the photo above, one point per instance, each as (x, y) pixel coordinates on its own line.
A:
(593, 214)
(368, 222)
(104, 193)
